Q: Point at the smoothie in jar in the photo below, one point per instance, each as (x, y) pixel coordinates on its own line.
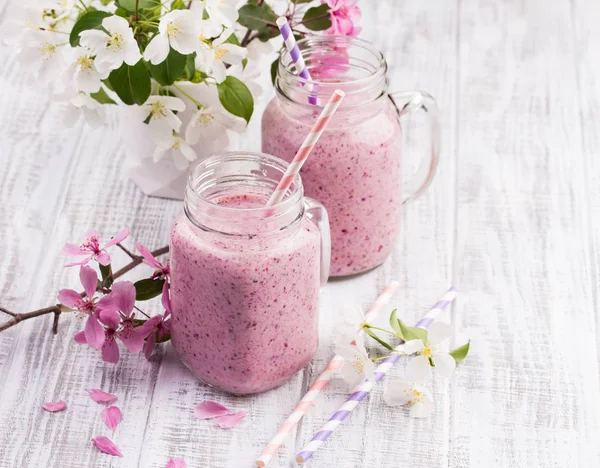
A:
(244, 280)
(355, 167)
(354, 170)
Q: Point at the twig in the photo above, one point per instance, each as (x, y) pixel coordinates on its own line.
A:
(128, 252)
(56, 310)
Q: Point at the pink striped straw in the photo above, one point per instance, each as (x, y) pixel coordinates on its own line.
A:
(365, 388)
(307, 146)
(322, 380)
(292, 47)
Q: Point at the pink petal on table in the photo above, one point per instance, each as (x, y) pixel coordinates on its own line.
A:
(106, 445)
(100, 396)
(209, 409)
(229, 421)
(111, 417)
(80, 338)
(54, 406)
(176, 463)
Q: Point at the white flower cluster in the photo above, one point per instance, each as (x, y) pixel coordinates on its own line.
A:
(181, 114)
(433, 354)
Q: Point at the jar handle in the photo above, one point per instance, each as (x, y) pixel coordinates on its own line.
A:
(419, 100)
(317, 213)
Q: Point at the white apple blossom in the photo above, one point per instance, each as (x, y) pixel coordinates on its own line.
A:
(40, 51)
(250, 76)
(210, 121)
(257, 48)
(357, 365)
(434, 352)
(178, 29)
(408, 392)
(212, 56)
(114, 48)
(83, 72)
(176, 147)
(223, 11)
(351, 328)
(163, 120)
(82, 105)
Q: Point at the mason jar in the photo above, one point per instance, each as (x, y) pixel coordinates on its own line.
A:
(245, 278)
(355, 168)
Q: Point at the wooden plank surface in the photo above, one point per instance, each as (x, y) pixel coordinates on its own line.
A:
(518, 83)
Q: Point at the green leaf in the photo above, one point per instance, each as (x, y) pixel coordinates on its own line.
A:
(268, 32)
(131, 83)
(190, 66)
(459, 354)
(317, 18)
(106, 273)
(129, 5)
(102, 97)
(107, 84)
(256, 17)
(89, 20)
(369, 332)
(148, 288)
(170, 69)
(236, 98)
(395, 325)
(274, 67)
(412, 333)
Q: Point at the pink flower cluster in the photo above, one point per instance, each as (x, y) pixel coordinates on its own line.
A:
(112, 317)
(344, 16)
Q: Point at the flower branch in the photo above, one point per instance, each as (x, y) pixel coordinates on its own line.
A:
(56, 308)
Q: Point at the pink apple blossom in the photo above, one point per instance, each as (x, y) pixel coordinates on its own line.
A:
(87, 306)
(120, 325)
(161, 271)
(158, 326)
(91, 247)
(344, 16)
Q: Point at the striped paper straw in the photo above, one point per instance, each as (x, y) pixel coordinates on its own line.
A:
(363, 389)
(307, 146)
(322, 380)
(292, 47)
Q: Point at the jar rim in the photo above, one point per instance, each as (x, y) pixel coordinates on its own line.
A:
(212, 211)
(286, 70)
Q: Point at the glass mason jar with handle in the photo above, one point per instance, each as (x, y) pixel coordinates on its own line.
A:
(245, 278)
(355, 168)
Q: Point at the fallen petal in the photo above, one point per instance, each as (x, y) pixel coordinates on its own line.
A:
(54, 406)
(111, 416)
(229, 421)
(209, 409)
(100, 396)
(104, 444)
(176, 463)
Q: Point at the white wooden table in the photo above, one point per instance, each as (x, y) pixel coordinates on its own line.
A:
(518, 83)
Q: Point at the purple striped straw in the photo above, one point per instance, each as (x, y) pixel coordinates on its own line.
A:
(292, 47)
(365, 388)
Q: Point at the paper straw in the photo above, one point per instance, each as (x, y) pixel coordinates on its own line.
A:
(322, 380)
(292, 47)
(363, 389)
(307, 146)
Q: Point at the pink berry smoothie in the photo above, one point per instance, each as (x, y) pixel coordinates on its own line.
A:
(245, 311)
(354, 170)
